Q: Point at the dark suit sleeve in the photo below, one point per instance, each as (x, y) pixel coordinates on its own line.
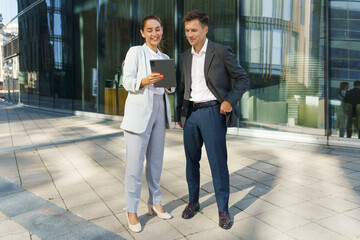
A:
(236, 72)
(180, 95)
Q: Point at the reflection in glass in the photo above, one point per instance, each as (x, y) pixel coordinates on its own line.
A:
(68, 54)
(85, 55)
(277, 47)
(283, 58)
(164, 9)
(268, 8)
(344, 56)
(114, 36)
(45, 49)
(222, 20)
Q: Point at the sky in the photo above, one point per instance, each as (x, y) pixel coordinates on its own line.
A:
(8, 9)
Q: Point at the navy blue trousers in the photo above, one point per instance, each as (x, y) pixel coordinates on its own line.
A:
(207, 125)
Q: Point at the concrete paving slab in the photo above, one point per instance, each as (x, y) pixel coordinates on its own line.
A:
(116, 202)
(302, 180)
(162, 230)
(281, 236)
(255, 206)
(8, 204)
(17, 236)
(110, 223)
(213, 234)
(311, 211)
(355, 175)
(282, 220)
(281, 198)
(9, 227)
(351, 166)
(280, 184)
(336, 204)
(354, 213)
(306, 193)
(353, 196)
(313, 231)
(196, 224)
(92, 211)
(259, 189)
(253, 229)
(47, 220)
(281, 188)
(6, 188)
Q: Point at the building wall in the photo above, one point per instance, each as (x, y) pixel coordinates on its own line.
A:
(71, 54)
(1, 57)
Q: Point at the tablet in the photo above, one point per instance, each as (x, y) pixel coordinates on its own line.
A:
(165, 67)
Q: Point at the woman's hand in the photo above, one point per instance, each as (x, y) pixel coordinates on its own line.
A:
(151, 79)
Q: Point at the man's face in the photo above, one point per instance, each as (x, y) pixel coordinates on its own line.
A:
(195, 33)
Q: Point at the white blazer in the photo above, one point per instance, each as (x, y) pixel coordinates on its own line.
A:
(139, 102)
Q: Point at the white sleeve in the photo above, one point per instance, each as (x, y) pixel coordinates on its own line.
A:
(131, 81)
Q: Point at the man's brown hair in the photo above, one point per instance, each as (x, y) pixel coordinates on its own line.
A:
(199, 15)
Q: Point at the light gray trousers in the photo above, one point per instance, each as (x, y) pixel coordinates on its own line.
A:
(151, 142)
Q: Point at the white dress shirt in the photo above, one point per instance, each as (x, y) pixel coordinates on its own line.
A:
(199, 90)
(154, 56)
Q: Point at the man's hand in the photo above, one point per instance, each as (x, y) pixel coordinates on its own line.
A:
(180, 124)
(225, 107)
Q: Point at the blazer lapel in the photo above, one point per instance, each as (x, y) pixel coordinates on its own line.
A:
(146, 59)
(188, 65)
(208, 58)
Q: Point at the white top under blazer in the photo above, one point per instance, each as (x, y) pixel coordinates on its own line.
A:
(139, 102)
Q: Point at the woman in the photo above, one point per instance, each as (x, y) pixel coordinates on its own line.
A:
(344, 87)
(147, 113)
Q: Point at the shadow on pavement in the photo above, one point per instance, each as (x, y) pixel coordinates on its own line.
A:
(261, 182)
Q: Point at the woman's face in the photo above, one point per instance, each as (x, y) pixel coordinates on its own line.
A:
(346, 87)
(152, 33)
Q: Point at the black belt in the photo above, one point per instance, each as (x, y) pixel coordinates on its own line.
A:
(205, 104)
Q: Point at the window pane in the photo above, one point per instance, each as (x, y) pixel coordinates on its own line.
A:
(277, 47)
(287, 10)
(114, 42)
(268, 8)
(245, 7)
(344, 57)
(287, 81)
(255, 46)
(222, 20)
(85, 38)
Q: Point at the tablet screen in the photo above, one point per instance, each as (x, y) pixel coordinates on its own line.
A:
(165, 67)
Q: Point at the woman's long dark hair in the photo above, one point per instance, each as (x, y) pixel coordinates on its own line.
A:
(342, 87)
(149, 17)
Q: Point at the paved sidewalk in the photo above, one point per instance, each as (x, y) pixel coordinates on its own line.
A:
(62, 177)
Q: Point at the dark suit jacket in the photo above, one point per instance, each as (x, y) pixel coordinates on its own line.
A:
(353, 96)
(220, 67)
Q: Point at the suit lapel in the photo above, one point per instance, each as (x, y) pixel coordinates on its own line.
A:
(188, 65)
(208, 58)
(147, 58)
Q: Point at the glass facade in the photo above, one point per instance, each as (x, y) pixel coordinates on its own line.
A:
(296, 52)
(344, 64)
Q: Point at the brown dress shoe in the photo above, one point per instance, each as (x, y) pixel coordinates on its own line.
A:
(190, 210)
(225, 220)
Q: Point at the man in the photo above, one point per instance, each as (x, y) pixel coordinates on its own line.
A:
(353, 97)
(206, 106)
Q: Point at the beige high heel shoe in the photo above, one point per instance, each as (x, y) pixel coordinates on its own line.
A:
(164, 215)
(135, 228)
